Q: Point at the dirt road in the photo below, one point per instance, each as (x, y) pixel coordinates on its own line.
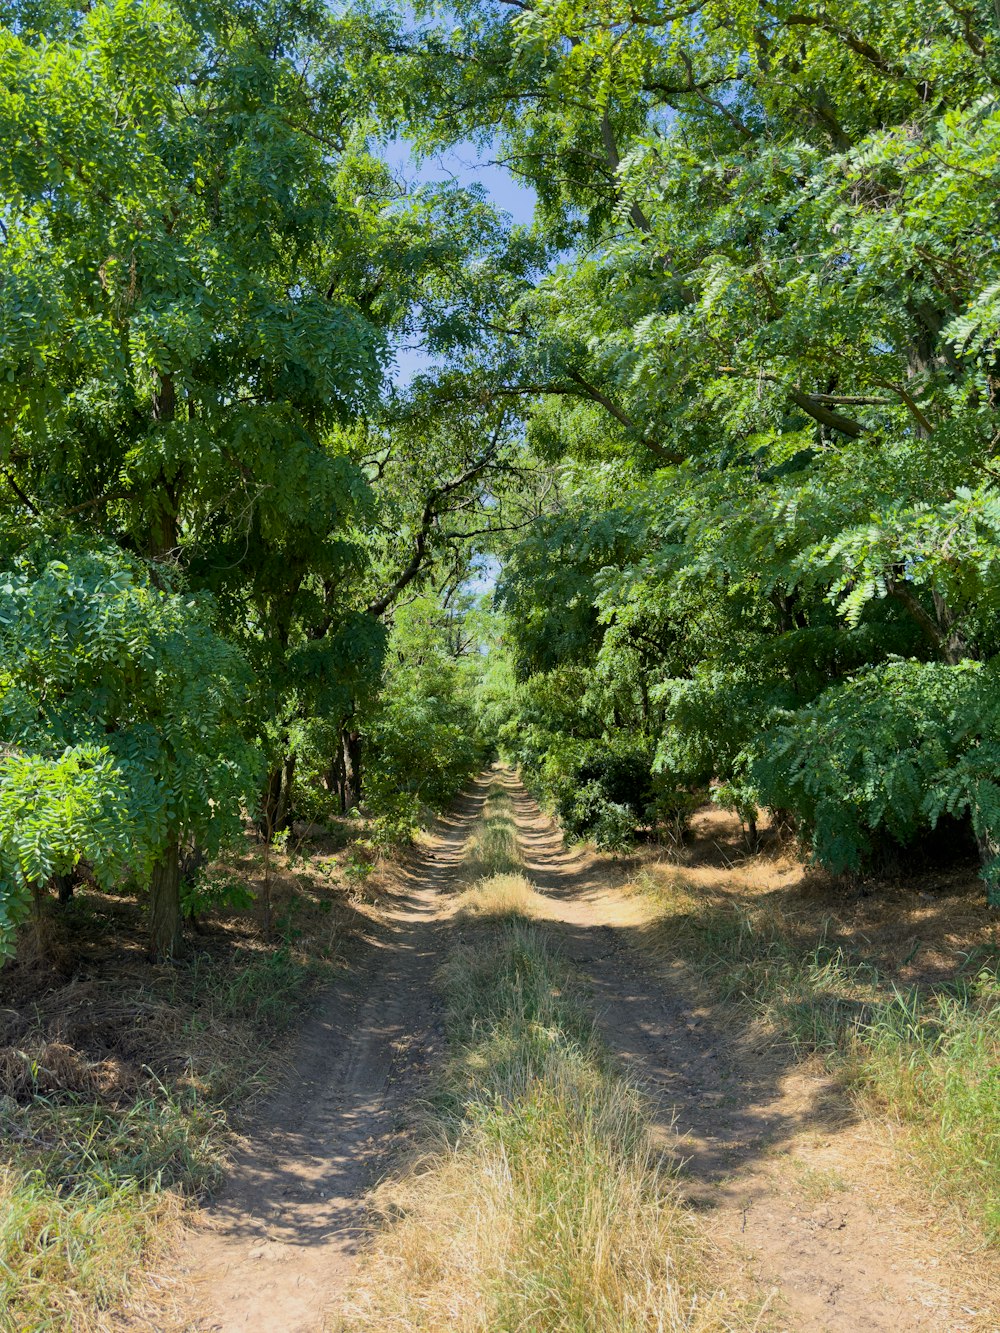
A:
(789, 1184)
(272, 1252)
(787, 1179)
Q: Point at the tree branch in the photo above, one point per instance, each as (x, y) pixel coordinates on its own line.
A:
(20, 494)
(812, 404)
(415, 564)
(591, 391)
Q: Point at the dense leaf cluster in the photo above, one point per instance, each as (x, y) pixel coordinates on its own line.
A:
(213, 497)
(764, 376)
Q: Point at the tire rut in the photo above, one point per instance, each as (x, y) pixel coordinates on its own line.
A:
(754, 1129)
(272, 1252)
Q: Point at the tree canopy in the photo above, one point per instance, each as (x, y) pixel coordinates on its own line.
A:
(726, 414)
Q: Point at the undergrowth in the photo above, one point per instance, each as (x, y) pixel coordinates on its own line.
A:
(925, 1057)
(100, 1153)
(539, 1202)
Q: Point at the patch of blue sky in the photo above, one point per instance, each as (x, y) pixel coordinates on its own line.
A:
(467, 164)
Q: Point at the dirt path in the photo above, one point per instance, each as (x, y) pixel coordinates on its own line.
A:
(791, 1186)
(789, 1181)
(274, 1248)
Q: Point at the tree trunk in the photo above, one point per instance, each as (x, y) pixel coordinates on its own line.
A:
(269, 805)
(64, 885)
(276, 807)
(165, 906)
(283, 815)
(351, 788)
(753, 836)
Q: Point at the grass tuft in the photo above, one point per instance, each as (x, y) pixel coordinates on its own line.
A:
(501, 895)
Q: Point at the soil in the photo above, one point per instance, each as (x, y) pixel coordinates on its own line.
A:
(798, 1193)
(789, 1181)
(273, 1250)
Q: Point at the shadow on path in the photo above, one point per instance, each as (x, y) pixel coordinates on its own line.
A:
(274, 1246)
(771, 1150)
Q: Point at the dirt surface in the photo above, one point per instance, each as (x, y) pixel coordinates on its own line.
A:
(787, 1180)
(794, 1189)
(273, 1250)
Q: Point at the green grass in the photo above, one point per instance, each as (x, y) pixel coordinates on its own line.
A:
(926, 1058)
(88, 1203)
(70, 1257)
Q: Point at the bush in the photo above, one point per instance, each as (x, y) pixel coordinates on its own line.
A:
(600, 789)
(881, 758)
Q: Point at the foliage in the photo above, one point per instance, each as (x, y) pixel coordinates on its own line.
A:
(761, 375)
(204, 269)
(120, 714)
(887, 752)
(423, 738)
(210, 889)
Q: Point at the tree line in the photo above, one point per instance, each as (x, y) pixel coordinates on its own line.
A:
(763, 370)
(214, 501)
(726, 413)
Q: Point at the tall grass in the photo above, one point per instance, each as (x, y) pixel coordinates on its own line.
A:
(926, 1058)
(73, 1257)
(539, 1203)
(495, 848)
(86, 1208)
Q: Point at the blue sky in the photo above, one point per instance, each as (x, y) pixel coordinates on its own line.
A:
(468, 165)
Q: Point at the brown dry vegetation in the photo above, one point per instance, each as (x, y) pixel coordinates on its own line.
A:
(121, 1082)
(923, 924)
(892, 981)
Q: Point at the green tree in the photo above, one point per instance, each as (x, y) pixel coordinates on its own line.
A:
(768, 350)
(121, 726)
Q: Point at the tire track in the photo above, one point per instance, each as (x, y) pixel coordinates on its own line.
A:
(274, 1249)
(755, 1130)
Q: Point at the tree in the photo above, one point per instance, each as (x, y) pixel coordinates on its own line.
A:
(768, 351)
(121, 725)
(203, 269)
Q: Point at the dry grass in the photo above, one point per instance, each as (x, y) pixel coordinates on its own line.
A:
(538, 1202)
(119, 1082)
(494, 848)
(500, 896)
(898, 988)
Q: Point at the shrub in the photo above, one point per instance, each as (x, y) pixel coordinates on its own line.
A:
(884, 756)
